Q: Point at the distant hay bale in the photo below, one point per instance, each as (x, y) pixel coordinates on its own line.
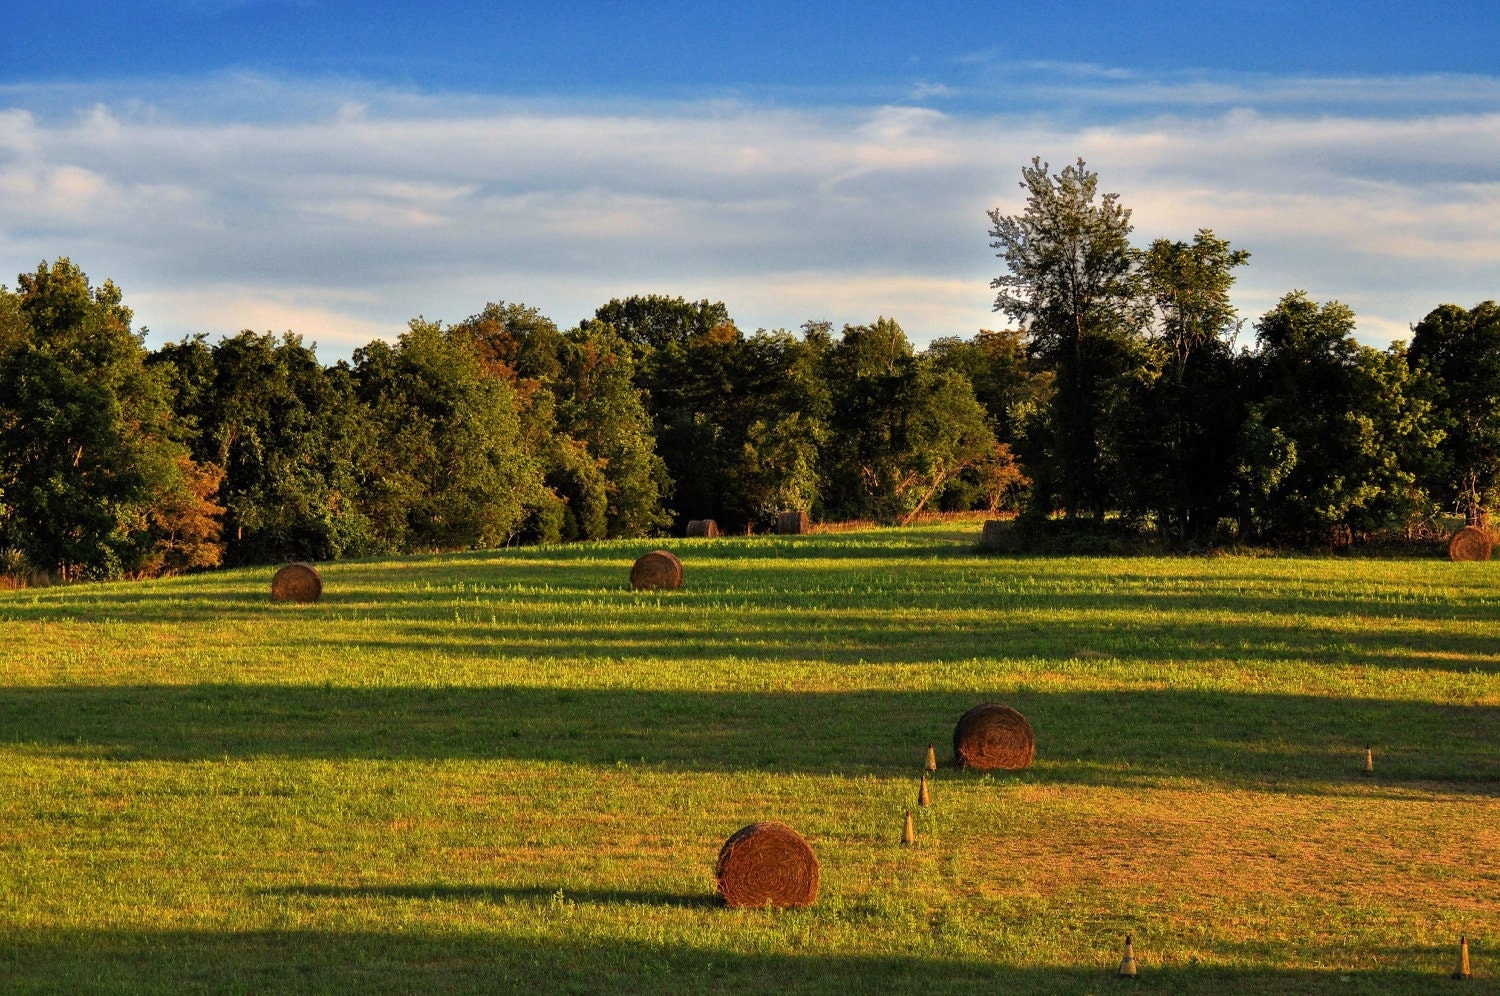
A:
(767, 863)
(703, 527)
(1470, 543)
(297, 583)
(994, 534)
(657, 569)
(793, 523)
(991, 736)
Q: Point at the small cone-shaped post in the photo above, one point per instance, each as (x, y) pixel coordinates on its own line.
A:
(931, 758)
(1127, 964)
(924, 798)
(1462, 971)
(1369, 761)
(908, 835)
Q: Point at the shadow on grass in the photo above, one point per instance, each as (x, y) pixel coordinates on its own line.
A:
(499, 894)
(413, 961)
(905, 639)
(842, 613)
(1293, 742)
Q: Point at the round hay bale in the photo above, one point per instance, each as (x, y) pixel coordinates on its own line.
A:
(703, 527)
(1469, 543)
(297, 583)
(991, 736)
(793, 523)
(993, 537)
(657, 569)
(767, 863)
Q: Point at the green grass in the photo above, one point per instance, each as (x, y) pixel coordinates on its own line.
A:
(507, 771)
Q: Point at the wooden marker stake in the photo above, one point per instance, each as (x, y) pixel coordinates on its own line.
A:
(1462, 971)
(1369, 761)
(908, 835)
(931, 758)
(924, 798)
(1127, 964)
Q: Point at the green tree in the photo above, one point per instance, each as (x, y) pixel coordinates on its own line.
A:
(1010, 385)
(583, 418)
(1174, 429)
(901, 427)
(1016, 394)
(653, 322)
(600, 406)
(740, 421)
(91, 469)
(1071, 284)
(289, 434)
(451, 469)
(1461, 350)
(1339, 432)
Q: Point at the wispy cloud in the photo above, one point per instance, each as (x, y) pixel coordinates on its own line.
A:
(1094, 90)
(340, 211)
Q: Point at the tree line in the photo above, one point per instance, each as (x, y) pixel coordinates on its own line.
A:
(1121, 398)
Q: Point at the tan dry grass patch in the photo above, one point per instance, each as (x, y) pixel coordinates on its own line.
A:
(1204, 847)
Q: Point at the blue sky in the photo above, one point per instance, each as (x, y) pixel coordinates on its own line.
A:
(336, 168)
(847, 51)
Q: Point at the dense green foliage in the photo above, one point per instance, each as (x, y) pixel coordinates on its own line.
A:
(506, 771)
(1120, 401)
(93, 478)
(1155, 418)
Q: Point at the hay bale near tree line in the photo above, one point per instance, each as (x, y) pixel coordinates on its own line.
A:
(1470, 543)
(658, 569)
(793, 523)
(297, 583)
(767, 863)
(991, 736)
(703, 527)
(993, 537)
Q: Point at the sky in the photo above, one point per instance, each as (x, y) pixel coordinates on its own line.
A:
(335, 169)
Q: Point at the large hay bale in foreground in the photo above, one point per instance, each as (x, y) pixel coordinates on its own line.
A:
(991, 736)
(297, 583)
(703, 527)
(767, 863)
(657, 569)
(793, 523)
(1470, 543)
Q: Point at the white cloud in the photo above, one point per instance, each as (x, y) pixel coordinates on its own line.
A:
(348, 213)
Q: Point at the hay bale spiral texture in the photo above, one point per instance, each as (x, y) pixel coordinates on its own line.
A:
(767, 863)
(1470, 543)
(793, 523)
(658, 569)
(297, 583)
(703, 527)
(991, 736)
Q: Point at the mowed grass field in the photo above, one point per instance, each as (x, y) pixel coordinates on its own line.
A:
(507, 771)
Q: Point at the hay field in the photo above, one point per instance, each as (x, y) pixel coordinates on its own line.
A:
(507, 771)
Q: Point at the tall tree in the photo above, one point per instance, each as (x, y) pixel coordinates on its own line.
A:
(654, 321)
(1174, 432)
(583, 418)
(92, 472)
(1461, 349)
(290, 435)
(600, 406)
(902, 427)
(1072, 286)
(454, 469)
(740, 420)
(1338, 435)
(1016, 393)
